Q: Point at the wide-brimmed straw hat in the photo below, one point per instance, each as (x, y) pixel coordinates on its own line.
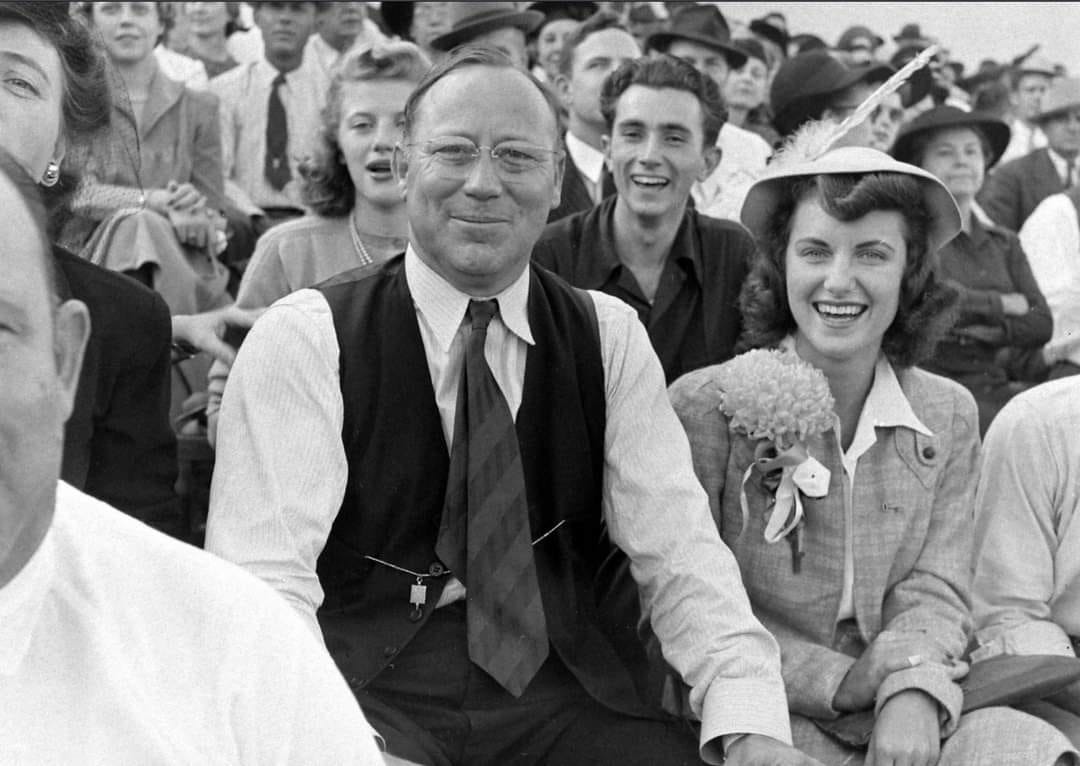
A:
(468, 20)
(765, 196)
(946, 117)
(1063, 96)
(701, 24)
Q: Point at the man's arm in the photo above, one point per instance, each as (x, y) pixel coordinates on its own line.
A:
(281, 468)
(1016, 537)
(658, 514)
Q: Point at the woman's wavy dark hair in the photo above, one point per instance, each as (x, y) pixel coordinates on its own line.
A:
(925, 311)
(328, 189)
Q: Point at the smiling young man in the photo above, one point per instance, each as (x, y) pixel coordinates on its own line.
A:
(681, 271)
(461, 428)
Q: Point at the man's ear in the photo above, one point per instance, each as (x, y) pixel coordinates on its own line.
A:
(560, 171)
(71, 330)
(711, 155)
(564, 90)
(399, 166)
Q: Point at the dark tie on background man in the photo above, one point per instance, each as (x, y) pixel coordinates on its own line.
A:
(277, 138)
(484, 533)
(1070, 168)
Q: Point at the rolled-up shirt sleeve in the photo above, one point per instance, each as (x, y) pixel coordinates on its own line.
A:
(281, 470)
(658, 514)
(1025, 531)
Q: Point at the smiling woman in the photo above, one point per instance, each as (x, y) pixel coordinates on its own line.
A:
(870, 601)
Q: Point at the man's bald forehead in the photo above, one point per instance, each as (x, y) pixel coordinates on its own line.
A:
(475, 60)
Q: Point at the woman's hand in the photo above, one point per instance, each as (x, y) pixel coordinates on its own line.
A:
(891, 651)
(907, 731)
(196, 227)
(1014, 304)
(184, 196)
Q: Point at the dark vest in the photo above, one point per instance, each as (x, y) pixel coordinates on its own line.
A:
(398, 464)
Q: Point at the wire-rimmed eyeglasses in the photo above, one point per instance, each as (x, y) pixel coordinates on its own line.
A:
(454, 157)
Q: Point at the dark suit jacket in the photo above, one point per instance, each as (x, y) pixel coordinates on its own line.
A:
(575, 195)
(118, 444)
(1015, 189)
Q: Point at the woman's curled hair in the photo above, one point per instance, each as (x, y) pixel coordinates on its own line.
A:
(328, 188)
(925, 310)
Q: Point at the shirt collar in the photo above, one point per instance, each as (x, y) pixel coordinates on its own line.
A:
(886, 405)
(443, 305)
(588, 160)
(604, 260)
(1061, 165)
(265, 72)
(21, 601)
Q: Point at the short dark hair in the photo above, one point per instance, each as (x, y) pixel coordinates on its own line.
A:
(598, 22)
(664, 71)
(921, 141)
(925, 308)
(475, 55)
(328, 188)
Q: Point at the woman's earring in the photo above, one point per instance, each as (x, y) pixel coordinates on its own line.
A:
(51, 175)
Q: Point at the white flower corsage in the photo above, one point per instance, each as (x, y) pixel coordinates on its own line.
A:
(775, 397)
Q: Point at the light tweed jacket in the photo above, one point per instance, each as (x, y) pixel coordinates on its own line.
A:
(912, 526)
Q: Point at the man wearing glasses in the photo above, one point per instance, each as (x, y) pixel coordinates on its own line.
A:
(426, 452)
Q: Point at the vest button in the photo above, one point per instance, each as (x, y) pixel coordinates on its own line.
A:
(389, 651)
(929, 453)
(436, 569)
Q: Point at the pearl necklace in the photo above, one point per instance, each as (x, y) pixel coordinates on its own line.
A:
(358, 243)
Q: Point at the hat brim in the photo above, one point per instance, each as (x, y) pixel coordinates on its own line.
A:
(1056, 111)
(793, 114)
(996, 132)
(662, 40)
(526, 21)
(764, 197)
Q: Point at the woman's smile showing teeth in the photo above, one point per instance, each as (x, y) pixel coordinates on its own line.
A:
(839, 311)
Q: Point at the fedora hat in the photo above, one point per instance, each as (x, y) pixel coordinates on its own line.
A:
(701, 24)
(911, 34)
(1035, 65)
(1063, 96)
(772, 32)
(469, 20)
(764, 198)
(853, 34)
(574, 10)
(945, 117)
(802, 84)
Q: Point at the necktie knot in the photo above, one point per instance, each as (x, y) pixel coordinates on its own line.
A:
(279, 80)
(481, 313)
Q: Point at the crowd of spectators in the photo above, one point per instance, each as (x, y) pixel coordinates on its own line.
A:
(206, 161)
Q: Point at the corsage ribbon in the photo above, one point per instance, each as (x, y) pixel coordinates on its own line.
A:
(798, 471)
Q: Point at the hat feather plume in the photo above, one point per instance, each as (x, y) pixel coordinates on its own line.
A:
(817, 137)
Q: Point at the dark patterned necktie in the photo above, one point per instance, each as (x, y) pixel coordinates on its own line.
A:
(484, 535)
(277, 138)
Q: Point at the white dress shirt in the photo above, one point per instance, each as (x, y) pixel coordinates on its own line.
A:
(743, 157)
(177, 66)
(1024, 139)
(121, 645)
(886, 406)
(1050, 238)
(589, 162)
(281, 472)
(244, 93)
(1026, 591)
